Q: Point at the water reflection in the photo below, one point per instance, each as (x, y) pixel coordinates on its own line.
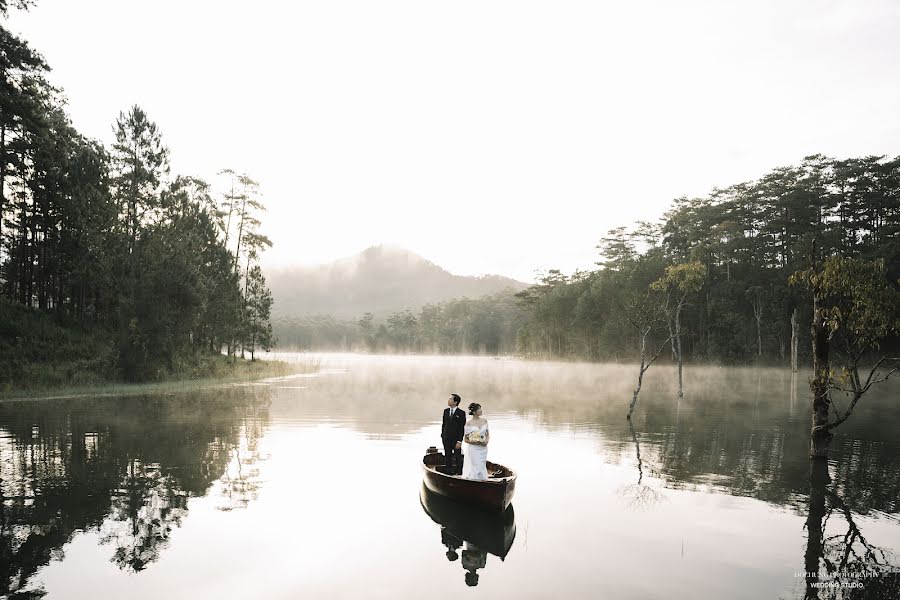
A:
(839, 562)
(468, 533)
(156, 486)
(743, 432)
(123, 467)
(639, 496)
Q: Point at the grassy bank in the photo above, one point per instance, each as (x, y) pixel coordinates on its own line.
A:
(43, 356)
(242, 370)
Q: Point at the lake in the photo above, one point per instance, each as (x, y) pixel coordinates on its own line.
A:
(311, 485)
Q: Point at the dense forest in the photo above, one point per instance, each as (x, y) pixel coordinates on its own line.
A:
(722, 261)
(745, 241)
(110, 264)
(485, 325)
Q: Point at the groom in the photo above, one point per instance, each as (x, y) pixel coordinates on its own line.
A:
(452, 434)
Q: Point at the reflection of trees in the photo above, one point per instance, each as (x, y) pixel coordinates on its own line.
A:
(124, 467)
(745, 447)
(240, 481)
(846, 558)
(145, 508)
(734, 432)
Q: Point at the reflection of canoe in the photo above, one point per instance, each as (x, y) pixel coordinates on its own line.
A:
(493, 494)
(491, 531)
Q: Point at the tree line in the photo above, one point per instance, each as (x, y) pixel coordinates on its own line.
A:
(719, 262)
(486, 325)
(733, 252)
(808, 252)
(107, 239)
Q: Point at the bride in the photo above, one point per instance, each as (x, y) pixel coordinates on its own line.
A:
(476, 437)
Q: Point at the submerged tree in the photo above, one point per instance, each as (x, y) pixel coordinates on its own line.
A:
(645, 313)
(854, 308)
(679, 283)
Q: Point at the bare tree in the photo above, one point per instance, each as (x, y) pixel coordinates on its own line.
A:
(795, 340)
(679, 282)
(757, 300)
(644, 312)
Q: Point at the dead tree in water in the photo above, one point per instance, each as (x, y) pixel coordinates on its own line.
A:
(645, 313)
(679, 282)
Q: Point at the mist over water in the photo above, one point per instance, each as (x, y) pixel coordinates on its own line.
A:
(312, 485)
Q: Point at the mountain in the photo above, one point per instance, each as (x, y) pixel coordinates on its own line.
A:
(380, 280)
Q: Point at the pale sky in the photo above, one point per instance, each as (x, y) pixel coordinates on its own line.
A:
(489, 137)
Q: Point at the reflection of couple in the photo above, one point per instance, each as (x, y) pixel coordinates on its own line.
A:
(455, 431)
(473, 557)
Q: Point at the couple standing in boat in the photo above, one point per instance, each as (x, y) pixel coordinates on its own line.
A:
(456, 431)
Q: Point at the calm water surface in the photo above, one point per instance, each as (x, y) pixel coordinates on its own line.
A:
(311, 486)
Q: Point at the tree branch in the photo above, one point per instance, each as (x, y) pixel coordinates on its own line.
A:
(658, 352)
(859, 391)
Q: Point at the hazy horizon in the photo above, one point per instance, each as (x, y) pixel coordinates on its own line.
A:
(490, 139)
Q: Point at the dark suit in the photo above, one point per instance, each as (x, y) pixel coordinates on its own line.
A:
(451, 432)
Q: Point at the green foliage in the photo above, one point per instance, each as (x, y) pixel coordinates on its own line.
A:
(722, 265)
(259, 311)
(40, 349)
(856, 302)
(105, 242)
(682, 279)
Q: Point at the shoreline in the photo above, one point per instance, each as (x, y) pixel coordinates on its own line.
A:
(241, 371)
(280, 354)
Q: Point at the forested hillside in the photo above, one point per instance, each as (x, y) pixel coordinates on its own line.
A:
(109, 246)
(380, 280)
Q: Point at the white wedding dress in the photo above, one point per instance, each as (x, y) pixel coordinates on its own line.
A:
(475, 461)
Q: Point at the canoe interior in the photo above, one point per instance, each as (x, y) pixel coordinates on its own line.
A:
(435, 462)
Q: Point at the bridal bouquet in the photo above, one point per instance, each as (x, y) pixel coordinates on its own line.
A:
(474, 437)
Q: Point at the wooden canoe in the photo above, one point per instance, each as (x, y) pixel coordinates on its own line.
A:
(493, 532)
(493, 494)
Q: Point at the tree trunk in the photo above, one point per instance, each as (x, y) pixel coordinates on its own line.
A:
(237, 250)
(757, 304)
(230, 210)
(759, 336)
(820, 438)
(23, 242)
(2, 171)
(795, 339)
(679, 356)
(672, 337)
(637, 389)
